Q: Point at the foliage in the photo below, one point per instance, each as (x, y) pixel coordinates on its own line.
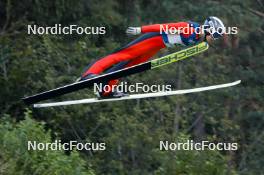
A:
(132, 130)
(17, 159)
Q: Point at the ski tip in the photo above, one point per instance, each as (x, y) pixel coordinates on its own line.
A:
(237, 82)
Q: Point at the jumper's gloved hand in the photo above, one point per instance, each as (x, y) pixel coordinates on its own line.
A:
(133, 30)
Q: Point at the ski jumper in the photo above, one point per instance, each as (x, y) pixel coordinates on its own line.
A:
(143, 48)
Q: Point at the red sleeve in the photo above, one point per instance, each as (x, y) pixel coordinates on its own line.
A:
(158, 27)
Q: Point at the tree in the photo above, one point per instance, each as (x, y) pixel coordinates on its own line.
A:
(15, 157)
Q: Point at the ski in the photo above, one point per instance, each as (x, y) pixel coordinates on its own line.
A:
(152, 64)
(138, 96)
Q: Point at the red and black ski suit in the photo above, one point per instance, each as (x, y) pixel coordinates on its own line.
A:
(142, 49)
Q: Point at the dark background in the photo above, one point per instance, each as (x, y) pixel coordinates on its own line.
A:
(131, 129)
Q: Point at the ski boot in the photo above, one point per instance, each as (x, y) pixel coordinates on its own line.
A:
(114, 94)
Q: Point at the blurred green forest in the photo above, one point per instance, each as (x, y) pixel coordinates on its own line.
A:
(132, 129)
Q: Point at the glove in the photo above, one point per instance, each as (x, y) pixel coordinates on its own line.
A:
(133, 30)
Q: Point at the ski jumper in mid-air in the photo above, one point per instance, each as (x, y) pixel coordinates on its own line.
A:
(147, 45)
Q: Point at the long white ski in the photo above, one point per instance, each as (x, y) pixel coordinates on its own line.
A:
(137, 96)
